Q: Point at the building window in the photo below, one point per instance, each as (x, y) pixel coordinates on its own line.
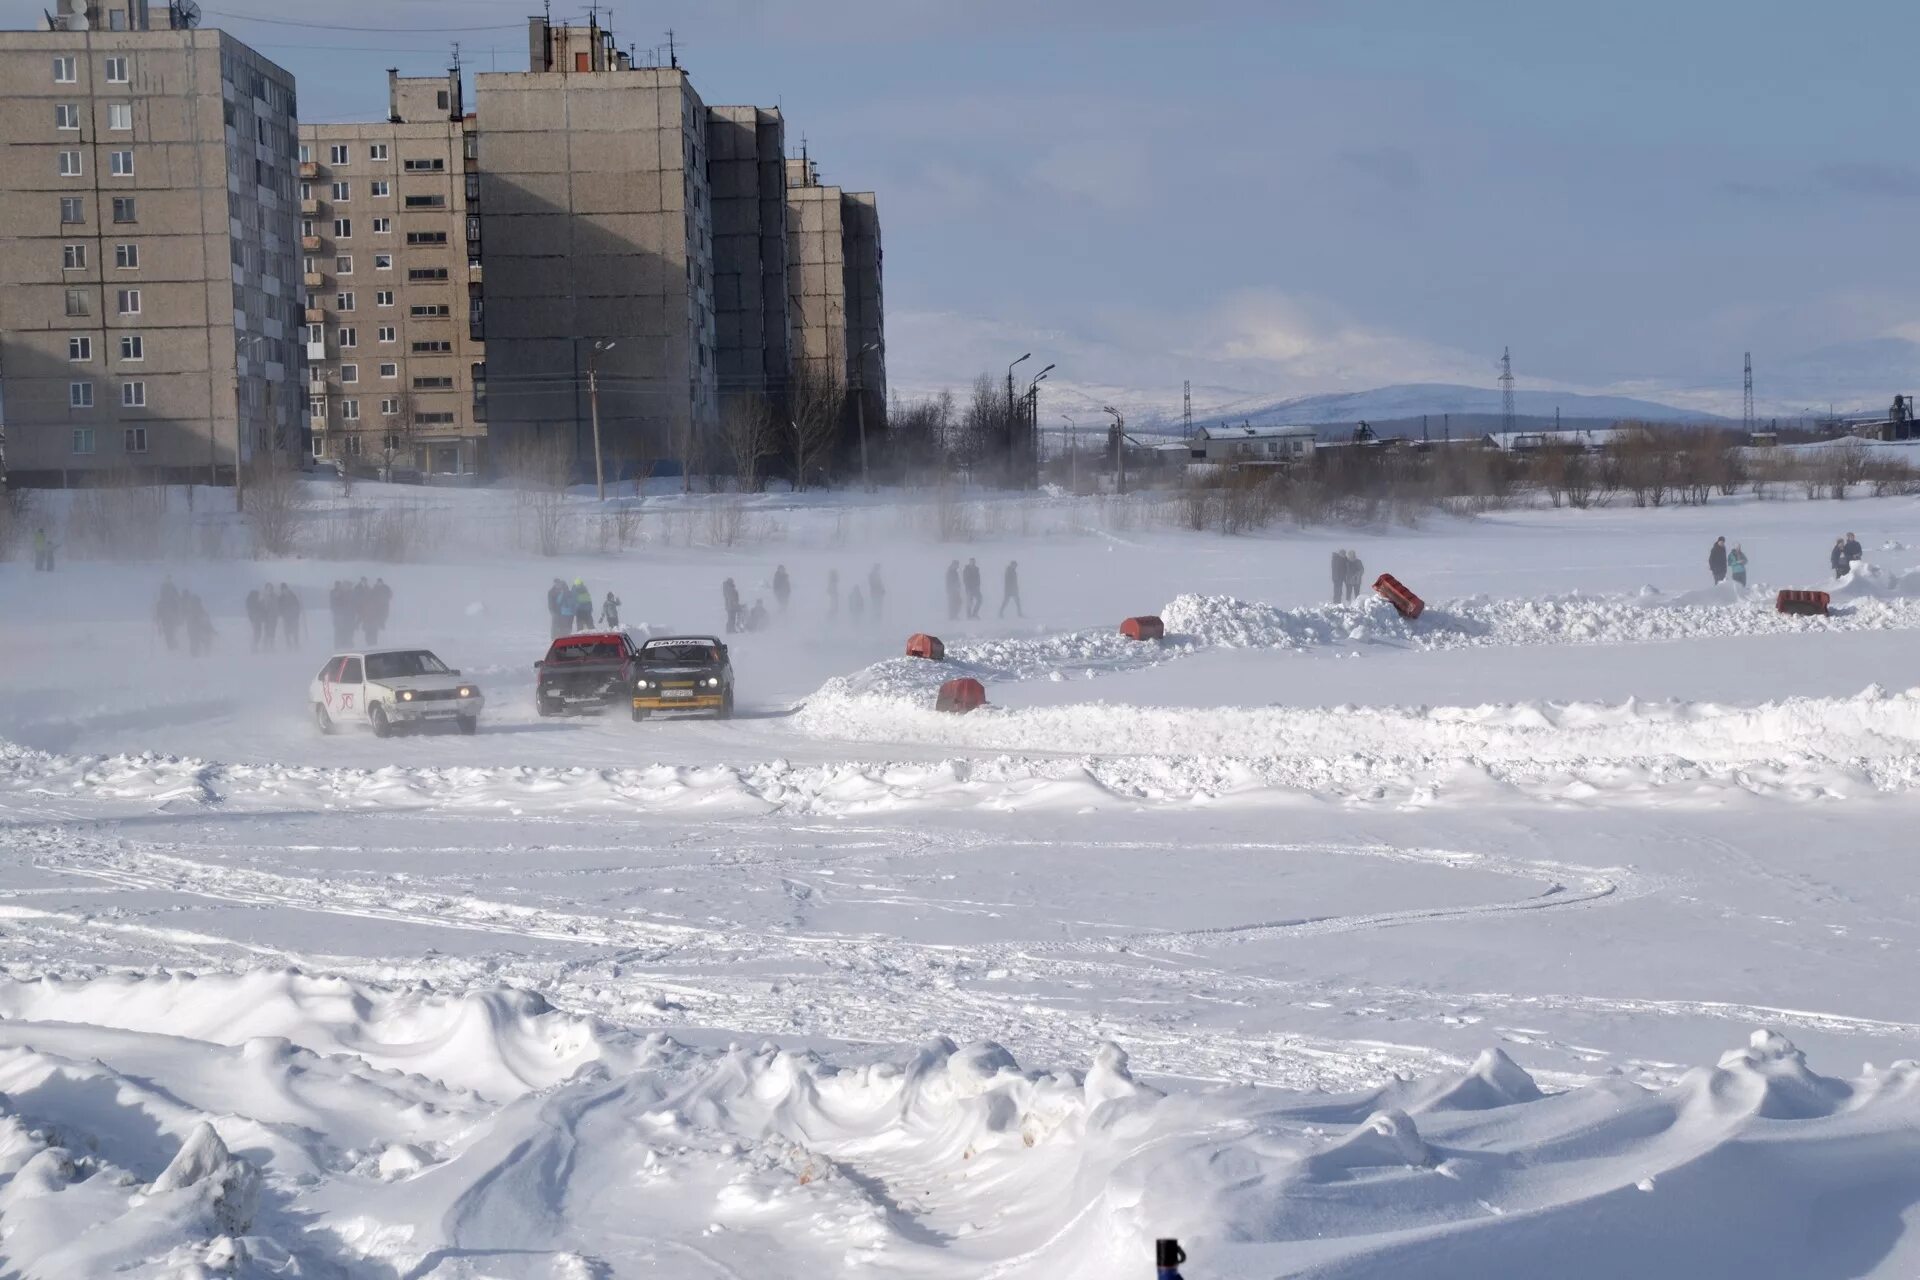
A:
(342, 192)
(121, 163)
(426, 237)
(383, 226)
(435, 165)
(63, 70)
(126, 256)
(83, 439)
(133, 395)
(124, 209)
(66, 115)
(316, 333)
(343, 301)
(380, 190)
(426, 202)
(133, 347)
(432, 419)
(350, 412)
(431, 348)
(73, 257)
(306, 227)
(433, 384)
(80, 395)
(427, 273)
(343, 265)
(343, 228)
(383, 297)
(70, 164)
(389, 407)
(349, 373)
(116, 70)
(389, 370)
(386, 333)
(377, 151)
(73, 211)
(383, 262)
(129, 302)
(76, 302)
(79, 349)
(317, 408)
(337, 154)
(136, 439)
(352, 442)
(431, 311)
(306, 154)
(347, 337)
(120, 115)
(319, 446)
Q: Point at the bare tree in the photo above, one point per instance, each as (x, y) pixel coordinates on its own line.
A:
(815, 404)
(397, 436)
(540, 467)
(749, 434)
(276, 504)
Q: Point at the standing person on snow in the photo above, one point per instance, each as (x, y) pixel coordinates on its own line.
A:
(730, 596)
(359, 609)
(782, 587)
(1356, 574)
(757, 620)
(337, 609)
(582, 606)
(379, 605)
(559, 609)
(288, 606)
(970, 576)
(256, 616)
(953, 590)
(1339, 569)
(610, 611)
(833, 594)
(166, 611)
(199, 625)
(269, 614)
(1737, 565)
(1717, 561)
(1838, 557)
(876, 593)
(1010, 590)
(42, 551)
(1854, 551)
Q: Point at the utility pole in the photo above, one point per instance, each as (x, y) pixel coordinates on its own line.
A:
(1186, 409)
(1011, 429)
(593, 401)
(860, 408)
(1073, 454)
(1119, 448)
(1746, 410)
(1506, 390)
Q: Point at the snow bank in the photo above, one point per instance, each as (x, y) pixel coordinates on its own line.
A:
(150, 1153)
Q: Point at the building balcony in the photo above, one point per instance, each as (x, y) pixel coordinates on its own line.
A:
(316, 352)
(310, 243)
(309, 169)
(314, 279)
(474, 274)
(310, 207)
(315, 315)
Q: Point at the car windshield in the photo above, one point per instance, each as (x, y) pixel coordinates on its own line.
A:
(679, 654)
(413, 662)
(597, 651)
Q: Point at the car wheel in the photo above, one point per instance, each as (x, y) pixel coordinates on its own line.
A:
(321, 720)
(382, 727)
(468, 724)
(638, 715)
(726, 706)
(545, 707)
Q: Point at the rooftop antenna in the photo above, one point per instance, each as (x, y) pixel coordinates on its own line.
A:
(673, 53)
(1506, 389)
(1746, 408)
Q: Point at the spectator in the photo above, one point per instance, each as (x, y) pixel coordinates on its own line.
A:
(953, 589)
(1737, 565)
(782, 588)
(970, 577)
(1717, 561)
(1838, 557)
(1010, 590)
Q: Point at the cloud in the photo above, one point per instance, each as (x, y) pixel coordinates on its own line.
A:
(1868, 178)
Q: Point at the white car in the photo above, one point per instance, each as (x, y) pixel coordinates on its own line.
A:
(392, 689)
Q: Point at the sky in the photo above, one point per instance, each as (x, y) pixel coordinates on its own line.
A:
(1289, 197)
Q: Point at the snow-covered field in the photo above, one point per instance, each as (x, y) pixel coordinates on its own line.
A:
(1564, 933)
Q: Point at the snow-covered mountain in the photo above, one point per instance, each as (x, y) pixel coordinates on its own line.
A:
(1411, 400)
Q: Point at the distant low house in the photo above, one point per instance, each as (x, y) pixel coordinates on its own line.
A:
(1246, 444)
(1537, 441)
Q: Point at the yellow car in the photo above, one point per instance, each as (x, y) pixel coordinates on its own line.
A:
(683, 673)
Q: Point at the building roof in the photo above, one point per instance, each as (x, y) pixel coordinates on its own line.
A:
(1246, 432)
(1548, 438)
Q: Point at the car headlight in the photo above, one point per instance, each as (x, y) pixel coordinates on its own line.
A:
(466, 691)
(406, 695)
(713, 681)
(639, 684)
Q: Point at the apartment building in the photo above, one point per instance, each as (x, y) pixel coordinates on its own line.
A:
(746, 171)
(834, 286)
(597, 225)
(149, 271)
(394, 321)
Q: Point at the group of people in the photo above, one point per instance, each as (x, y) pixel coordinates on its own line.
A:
(740, 618)
(358, 606)
(273, 612)
(1846, 551)
(1348, 574)
(179, 611)
(860, 602)
(570, 608)
(964, 594)
(1724, 564)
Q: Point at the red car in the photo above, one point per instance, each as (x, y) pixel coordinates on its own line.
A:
(591, 669)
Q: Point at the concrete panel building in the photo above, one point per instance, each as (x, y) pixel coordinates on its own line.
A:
(834, 288)
(746, 170)
(597, 226)
(149, 271)
(393, 285)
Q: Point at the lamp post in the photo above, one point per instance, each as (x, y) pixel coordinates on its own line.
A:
(1073, 454)
(593, 401)
(1010, 426)
(860, 408)
(1119, 447)
(1030, 406)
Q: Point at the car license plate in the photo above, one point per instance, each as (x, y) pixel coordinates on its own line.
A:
(676, 693)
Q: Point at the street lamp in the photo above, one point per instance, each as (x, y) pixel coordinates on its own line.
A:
(1073, 453)
(593, 400)
(860, 408)
(1119, 447)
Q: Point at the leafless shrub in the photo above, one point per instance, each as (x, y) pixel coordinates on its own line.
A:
(814, 408)
(539, 468)
(121, 518)
(747, 436)
(16, 518)
(276, 504)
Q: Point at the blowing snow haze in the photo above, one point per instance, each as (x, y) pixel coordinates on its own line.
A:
(1284, 199)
